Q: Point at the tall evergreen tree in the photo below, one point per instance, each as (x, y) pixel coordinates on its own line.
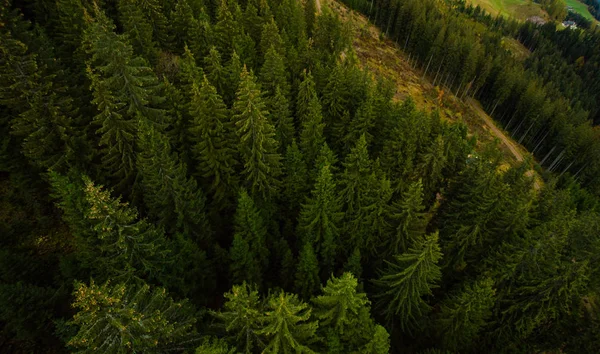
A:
(307, 273)
(241, 317)
(256, 143)
(170, 196)
(295, 182)
(465, 313)
(279, 107)
(138, 28)
(320, 219)
(213, 137)
(287, 325)
(345, 313)
(273, 74)
(109, 238)
(122, 318)
(403, 284)
(215, 72)
(123, 87)
(409, 219)
(250, 230)
(311, 133)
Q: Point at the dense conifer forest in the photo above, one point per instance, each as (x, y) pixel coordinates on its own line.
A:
(221, 176)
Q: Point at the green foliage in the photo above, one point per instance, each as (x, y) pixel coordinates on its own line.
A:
(120, 319)
(463, 314)
(256, 143)
(407, 280)
(279, 109)
(212, 134)
(109, 237)
(173, 199)
(296, 177)
(241, 317)
(409, 219)
(307, 273)
(320, 219)
(287, 326)
(249, 252)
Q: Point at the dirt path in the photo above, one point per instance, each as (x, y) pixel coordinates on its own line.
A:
(476, 106)
(510, 144)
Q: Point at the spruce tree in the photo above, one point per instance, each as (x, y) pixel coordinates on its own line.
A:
(357, 169)
(212, 345)
(225, 29)
(233, 70)
(307, 273)
(273, 74)
(213, 138)
(281, 117)
(311, 131)
(464, 313)
(408, 219)
(295, 182)
(306, 94)
(270, 37)
(215, 72)
(244, 266)
(138, 28)
(363, 121)
(431, 165)
(406, 280)
(344, 317)
(310, 13)
(250, 229)
(124, 318)
(242, 317)
(109, 238)
(320, 219)
(172, 198)
(287, 325)
(255, 138)
(123, 87)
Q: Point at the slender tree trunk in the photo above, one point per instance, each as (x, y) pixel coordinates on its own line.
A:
(566, 168)
(524, 135)
(516, 130)
(427, 67)
(540, 143)
(547, 155)
(510, 121)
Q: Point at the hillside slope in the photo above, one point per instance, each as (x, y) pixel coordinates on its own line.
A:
(385, 58)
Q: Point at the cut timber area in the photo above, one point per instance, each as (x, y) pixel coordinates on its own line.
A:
(385, 59)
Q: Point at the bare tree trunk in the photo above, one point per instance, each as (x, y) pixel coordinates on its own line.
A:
(524, 135)
(566, 168)
(427, 68)
(547, 155)
(540, 143)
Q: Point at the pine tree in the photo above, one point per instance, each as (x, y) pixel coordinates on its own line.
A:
(326, 158)
(215, 72)
(363, 122)
(251, 229)
(123, 87)
(241, 316)
(306, 94)
(340, 306)
(109, 238)
(311, 133)
(403, 284)
(38, 110)
(335, 104)
(464, 313)
(357, 169)
(307, 273)
(123, 318)
(279, 107)
(295, 182)
(138, 28)
(344, 316)
(212, 135)
(212, 345)
(287, 325)
(273, 74)
(320, 219)
(172, 198)
(233, 71)
(431, 165)
(256, 143)
(354, 265)
(270, 37)
(244, 266)
(409, 219)
(225, 29)
(310, 13)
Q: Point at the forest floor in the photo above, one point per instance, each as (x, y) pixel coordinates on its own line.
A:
(384, 58)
